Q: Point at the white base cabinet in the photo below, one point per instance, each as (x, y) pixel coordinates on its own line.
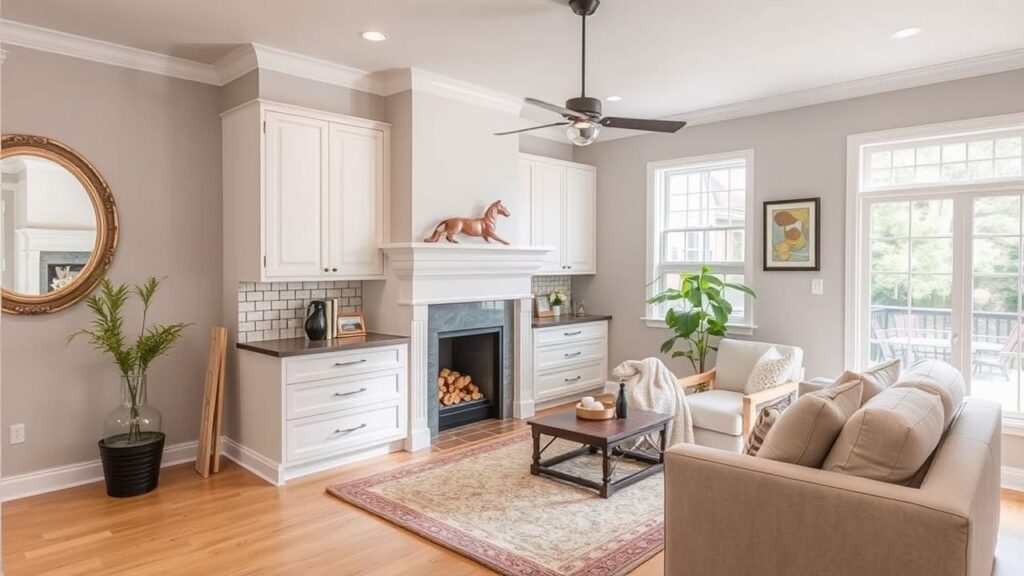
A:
(303, 414)
(569, 360)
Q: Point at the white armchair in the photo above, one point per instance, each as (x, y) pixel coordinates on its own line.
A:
(723, 415)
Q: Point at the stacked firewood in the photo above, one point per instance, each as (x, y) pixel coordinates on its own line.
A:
(453, 388)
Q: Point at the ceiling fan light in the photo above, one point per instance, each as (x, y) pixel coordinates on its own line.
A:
(583, 132)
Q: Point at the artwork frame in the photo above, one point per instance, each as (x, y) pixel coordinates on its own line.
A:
(787, 225)
(350, 324)
(542, 307)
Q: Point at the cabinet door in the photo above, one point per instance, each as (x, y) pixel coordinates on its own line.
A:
(295, 153)
(525, 202)
(580, 221)
(355, 201)
(547, 214)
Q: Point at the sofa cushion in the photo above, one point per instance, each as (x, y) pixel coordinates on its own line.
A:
(735, 361)
(718, 410)
(876, 378)
(890, 438)
(805, 432)
(939, 378)
(765, 420)
(771, 370)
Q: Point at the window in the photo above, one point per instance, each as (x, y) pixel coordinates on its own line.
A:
(698, 215)
(935, 243)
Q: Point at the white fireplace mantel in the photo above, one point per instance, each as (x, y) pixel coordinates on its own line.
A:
(441, 273)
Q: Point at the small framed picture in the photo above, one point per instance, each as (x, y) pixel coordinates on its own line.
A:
(351, 324)
(792, 234)
(542, 307)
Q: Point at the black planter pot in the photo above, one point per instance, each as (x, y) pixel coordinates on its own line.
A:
(132, 470)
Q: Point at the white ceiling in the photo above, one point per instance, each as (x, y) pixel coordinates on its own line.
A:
(662, 56)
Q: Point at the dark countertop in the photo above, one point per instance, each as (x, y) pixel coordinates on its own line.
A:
(566, 319)
(304, 346)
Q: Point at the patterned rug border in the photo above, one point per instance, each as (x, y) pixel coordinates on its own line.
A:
(622, 560)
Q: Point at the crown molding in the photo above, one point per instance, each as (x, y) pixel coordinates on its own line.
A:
(235, 64)
(46, 40)
(419, 80)
(317, 69)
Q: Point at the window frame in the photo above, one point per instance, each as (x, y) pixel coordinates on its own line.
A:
(656, 267)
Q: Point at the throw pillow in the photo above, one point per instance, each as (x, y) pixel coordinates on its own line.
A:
(765, 420)
(770, 370)
(876, 378)
(939, 378)
(805, 432)
(890, 438)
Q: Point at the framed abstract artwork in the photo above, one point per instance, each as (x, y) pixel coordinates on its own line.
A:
(792, 234)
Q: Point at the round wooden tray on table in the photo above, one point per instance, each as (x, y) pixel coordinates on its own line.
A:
(607, 414)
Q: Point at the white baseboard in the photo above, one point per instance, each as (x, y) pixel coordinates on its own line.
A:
(1013, 478)
(268, 470)
(24, 485)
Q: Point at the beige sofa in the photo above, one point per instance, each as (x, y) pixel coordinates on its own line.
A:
(729, 514)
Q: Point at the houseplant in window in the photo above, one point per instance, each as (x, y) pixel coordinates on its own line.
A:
(132, 444)
(698, 311)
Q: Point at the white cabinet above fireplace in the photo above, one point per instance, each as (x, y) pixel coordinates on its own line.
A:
(563, 212)
(305, 193)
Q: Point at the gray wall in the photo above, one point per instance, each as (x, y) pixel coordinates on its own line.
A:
(157, 142)
(543, 147)
(288, 89)
(798, 153)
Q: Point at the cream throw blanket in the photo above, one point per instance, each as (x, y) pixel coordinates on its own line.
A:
(650, 385)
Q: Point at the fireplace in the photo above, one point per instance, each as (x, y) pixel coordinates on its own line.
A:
(470, 378)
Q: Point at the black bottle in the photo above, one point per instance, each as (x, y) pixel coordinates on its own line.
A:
(316, 320)
(621, 407)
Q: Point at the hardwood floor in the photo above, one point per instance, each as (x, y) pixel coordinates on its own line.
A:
(234, 523)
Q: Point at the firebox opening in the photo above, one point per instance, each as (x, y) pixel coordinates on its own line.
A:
(469, 380)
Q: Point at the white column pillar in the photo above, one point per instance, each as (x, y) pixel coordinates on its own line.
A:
(419, 429)
(522, 406)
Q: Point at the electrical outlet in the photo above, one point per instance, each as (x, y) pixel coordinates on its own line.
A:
(817, 286)
(17, 433)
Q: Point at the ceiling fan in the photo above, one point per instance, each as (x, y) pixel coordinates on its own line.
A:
(583, 115)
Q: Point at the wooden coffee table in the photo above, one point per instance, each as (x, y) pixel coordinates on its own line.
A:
(599, 435)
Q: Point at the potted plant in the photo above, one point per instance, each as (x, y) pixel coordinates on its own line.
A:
(132, 444)
(557, 298)
(703, 315)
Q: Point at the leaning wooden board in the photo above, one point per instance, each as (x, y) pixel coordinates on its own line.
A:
(211, 394)
(218, 413)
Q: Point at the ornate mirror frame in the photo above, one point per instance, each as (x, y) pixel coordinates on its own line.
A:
(106, 223)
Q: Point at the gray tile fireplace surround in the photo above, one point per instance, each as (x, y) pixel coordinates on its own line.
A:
(468, 316)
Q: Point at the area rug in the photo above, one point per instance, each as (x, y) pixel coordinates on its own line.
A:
(483, 503)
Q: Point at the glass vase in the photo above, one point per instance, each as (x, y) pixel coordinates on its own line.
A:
(133, 422)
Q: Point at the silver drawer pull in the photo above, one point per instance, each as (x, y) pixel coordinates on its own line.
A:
(343, 394)
(352, 363)
(573, 354)
(573, 379)
(345, 431)
(573, 333)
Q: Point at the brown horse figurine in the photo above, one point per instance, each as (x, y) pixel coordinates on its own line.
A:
(481, 227)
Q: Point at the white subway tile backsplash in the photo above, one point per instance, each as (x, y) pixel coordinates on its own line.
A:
(272, 310)
(544, 285)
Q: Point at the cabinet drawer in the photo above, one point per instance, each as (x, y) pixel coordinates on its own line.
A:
(324, 366)
(326, 435)
(555, 357)
(568, 381)
(323, 396)
(569, 333)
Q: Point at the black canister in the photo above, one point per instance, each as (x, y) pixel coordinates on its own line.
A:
(316, 320)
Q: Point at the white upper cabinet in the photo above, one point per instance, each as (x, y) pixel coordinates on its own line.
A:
(320, 210)
(563, 213)
(296, 150)
(355, 200)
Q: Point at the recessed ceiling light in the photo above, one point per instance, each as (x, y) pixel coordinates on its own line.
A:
(613, 98)
(374, 36)
(905, 33)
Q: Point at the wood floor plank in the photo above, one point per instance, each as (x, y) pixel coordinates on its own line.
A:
(235, 524)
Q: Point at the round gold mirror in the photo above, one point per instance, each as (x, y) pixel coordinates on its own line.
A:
(59, 226)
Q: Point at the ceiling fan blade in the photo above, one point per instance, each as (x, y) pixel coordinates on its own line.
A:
(531, 128)
(667, 126)
(556, 109)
